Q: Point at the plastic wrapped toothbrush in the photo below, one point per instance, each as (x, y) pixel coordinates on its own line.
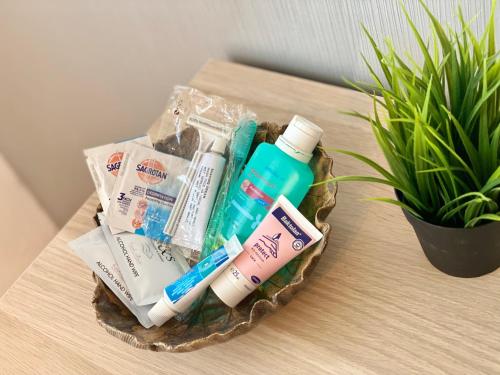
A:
(168, 193)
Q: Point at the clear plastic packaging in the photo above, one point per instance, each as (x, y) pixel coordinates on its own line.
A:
(193, 222)
(195, 134)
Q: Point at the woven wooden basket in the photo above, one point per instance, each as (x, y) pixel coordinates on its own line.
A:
(211, 321)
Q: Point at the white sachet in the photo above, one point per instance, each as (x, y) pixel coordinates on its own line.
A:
(93, 249)
(147, 187)
(104, 163)
(146, 265)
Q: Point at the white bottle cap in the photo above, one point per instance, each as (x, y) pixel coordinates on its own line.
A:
(230, 289)
(299, 139)
(161, 312)
(219, 145)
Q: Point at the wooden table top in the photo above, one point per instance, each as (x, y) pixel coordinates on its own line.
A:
(373, 305)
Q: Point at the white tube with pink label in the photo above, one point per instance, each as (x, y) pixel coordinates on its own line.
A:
(282, 235)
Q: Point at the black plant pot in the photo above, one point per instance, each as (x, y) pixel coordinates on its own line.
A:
(459, 252)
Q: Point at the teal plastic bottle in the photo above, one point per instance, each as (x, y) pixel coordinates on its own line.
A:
(272, 170)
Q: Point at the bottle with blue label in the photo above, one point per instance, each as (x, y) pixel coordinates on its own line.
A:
(273, 170)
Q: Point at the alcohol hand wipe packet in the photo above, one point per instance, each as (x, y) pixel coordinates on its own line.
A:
(146, 265)
(146, 190)
(104, 163)
(93, 249)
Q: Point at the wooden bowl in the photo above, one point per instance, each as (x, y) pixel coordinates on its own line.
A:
(210, 321)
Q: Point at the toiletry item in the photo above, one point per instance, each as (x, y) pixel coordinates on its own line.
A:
(145, 192)
(93, 249)
(178, 296)
(104, 162)
(282, 235)
(272, 170)
(208, 131)
(146, 265)
(193, 222)
(242, 141)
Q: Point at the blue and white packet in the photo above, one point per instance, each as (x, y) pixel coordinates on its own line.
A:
(145, 192)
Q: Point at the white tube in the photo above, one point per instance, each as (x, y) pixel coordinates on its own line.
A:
(193, 222)
(178, 296)
(173, 219)
(207, 129)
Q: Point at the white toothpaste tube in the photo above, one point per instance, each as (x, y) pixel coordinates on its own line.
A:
(191, 229)
(146, 190)
(146, 265)
(178, 296)
(93, 249)
(104, 163)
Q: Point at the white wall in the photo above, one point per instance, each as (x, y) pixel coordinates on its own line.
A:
(77, 73)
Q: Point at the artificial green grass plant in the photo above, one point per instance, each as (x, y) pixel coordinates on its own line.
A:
(442, 129)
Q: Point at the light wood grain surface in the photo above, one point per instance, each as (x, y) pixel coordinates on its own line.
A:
(374, 305)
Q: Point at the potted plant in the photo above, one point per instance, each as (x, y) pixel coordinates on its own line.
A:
(440, 137)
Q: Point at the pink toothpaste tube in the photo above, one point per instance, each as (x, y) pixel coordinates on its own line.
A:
(283, 234)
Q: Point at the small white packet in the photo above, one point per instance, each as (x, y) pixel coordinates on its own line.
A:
(147, 188)
(104, 163)
(93, 249)
(146, 265)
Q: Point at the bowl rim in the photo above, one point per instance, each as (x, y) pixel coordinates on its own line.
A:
(261, 307)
